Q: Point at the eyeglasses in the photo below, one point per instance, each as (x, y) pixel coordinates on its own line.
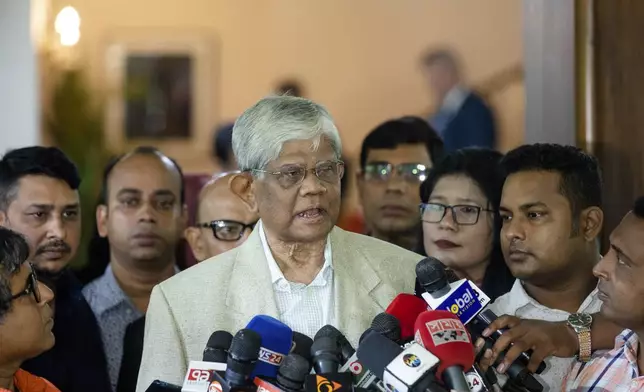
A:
(227, 230)
(462, 214)
(292, 175)
(30, 288)
(383, 171)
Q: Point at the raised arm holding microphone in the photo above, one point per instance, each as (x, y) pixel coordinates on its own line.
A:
(296, 265)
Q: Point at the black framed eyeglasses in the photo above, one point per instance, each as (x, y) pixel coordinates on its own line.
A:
(292, 175)
(227, 230)
(383, 171)
(462, 214)
(31, 287)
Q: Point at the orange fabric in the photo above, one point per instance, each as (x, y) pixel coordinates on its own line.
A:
(27, 382)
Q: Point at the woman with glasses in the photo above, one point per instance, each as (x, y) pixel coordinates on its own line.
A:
(26, 319)
(460, 219)
(296, 265)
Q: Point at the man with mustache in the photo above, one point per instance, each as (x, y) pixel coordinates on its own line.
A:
(621, 290)
(394, 160)
(551, 207)
(142, 214)
(39, 199)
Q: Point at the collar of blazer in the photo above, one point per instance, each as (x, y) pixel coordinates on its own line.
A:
(358, 295)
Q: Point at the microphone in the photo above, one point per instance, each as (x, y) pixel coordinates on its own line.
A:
(161, 386)
(277, 341)
(326, 355)
(302, 346)
(242, 357)
(200, 373)
(406, 308)
(445, 336)
(386, 325)
(346, 350)
(464, 299)
(362, 378)
(401, 370)
(217, 347)
(292, 373)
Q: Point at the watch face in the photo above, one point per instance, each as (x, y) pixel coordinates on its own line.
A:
(580, 320)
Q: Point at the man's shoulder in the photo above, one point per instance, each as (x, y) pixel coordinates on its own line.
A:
(213, 271)
(377, 249)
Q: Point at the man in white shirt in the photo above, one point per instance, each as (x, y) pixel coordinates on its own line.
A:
(551, 211)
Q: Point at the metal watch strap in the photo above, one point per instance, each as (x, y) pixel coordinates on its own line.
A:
(584, 345)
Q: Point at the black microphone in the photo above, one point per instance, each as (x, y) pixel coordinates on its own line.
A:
(292, 373)
(346, 350)
(217, 347)
(388, 326)
(161, 386)
(302, 347)
(432, 276)
(242, 356)
(326, 355)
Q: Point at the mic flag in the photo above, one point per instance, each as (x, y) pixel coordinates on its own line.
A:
(406, 308)
(277, 340)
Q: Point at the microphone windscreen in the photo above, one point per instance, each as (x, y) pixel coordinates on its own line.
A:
(444, 335)
(277, 340)
(302, 345)
(431, 275)
(217, 347)
(386, 325)
(406, 308)
(345, 347)
(293, 371)
(376, 351)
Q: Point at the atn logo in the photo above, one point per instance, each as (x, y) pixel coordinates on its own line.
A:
(326, 385)
(463, 302)
(270, 357)
(199, 375)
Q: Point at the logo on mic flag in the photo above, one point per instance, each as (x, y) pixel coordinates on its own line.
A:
(447, 331)
(215, 386)
(411, 360)
(325, 385)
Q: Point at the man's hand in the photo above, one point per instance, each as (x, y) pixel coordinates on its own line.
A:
(544, 338)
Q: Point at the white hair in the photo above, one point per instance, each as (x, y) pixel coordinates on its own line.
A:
(261, 131)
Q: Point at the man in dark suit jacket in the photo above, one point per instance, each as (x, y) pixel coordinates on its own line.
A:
(463, 118)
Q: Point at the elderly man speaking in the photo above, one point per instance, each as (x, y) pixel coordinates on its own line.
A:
(296, 265)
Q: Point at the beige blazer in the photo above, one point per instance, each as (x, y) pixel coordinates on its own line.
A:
(226, 291)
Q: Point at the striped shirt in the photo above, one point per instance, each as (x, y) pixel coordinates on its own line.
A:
(304, 308)
(616, 370)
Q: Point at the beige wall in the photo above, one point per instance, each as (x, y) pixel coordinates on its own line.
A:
(358, 57)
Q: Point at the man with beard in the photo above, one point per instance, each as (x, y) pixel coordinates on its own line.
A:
(39, 199)
(142, 214)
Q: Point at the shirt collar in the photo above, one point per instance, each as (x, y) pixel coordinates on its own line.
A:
(276, 272)
(454, 99)
(519, 298)
(110, 292)
(629, 341)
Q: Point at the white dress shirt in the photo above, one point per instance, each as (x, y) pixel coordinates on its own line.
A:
(518, 303)
(304, 308)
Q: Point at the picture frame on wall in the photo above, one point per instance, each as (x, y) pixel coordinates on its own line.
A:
(159, 89)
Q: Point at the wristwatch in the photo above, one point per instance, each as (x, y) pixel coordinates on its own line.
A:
(581, 323)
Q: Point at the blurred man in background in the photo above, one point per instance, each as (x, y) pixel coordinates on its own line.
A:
(223, 220)
(222, 148)
(142, 215)
(39, 199)
(394, 161)
(463, 119)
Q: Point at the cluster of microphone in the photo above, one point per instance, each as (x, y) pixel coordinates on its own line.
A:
(416, 345)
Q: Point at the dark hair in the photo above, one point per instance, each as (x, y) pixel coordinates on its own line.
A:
(482, 167)
(36, 160)
(404, 130)
(14, 251)
(638, 208)
(290, 87)
(142, 150)
(442, 55)
(222, 144)
(581, 180)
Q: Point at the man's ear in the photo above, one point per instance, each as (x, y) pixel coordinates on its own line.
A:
(243, 186)
(184, 216)
(592, 221)
(193, 237)
(3, 218)
(101, 220)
